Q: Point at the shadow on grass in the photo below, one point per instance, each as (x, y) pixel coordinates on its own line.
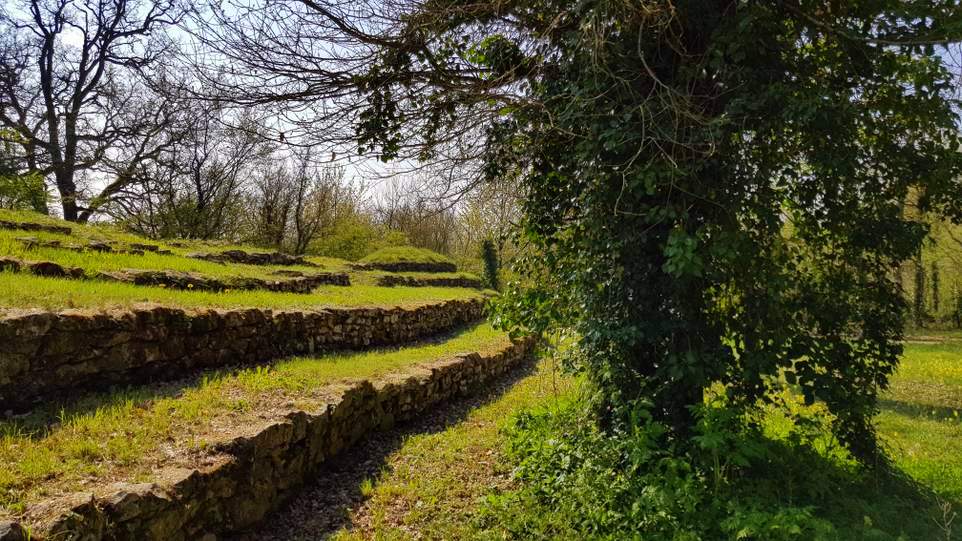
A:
(323, 505)
(879, 503)
(921, 411)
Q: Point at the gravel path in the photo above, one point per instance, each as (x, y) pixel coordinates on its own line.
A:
(327, 503)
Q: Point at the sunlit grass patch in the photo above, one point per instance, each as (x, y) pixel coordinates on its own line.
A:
(435, 483)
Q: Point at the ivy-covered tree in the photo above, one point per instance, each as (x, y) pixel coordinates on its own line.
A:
(492, 264)
(936, 285)
(712, 188)
(918, 299)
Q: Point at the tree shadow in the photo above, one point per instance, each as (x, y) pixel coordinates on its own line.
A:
(921, 411)
(324, 504)
(880, 502)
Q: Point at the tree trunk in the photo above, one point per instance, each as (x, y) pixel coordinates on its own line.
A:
(68, 195)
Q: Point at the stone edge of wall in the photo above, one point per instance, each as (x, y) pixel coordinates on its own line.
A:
(391, 280)
(45, 354)
(408, 266)
(264, 470)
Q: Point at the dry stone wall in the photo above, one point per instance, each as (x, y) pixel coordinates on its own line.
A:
(391, 280)
(260, 471)
(135, 248)
(44, 354)
(254, 258)
(409, 266)
(191, 280)
(30, 226)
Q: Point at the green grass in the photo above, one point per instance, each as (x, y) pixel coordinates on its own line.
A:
(405, 254)
(921, 418)
(431, 487)
(25, 291)
(435, 485)
(126, 435)
(93, 262)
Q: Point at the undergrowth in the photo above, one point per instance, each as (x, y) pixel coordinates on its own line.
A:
(772, 476)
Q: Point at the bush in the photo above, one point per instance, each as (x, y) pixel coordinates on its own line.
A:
(489, 257)
(23, 192)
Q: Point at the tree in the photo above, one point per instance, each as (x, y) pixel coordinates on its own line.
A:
(70, 88)
(492, 265)
(918, 305)
(712, 189)
(317, 195)
(195, 189)
(936, 294)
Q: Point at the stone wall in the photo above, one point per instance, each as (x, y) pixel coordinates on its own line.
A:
(262, 470)
(48, 354)
(409, 266)
(302, 283)
(253, 258)
(30, 226)
(391, 280)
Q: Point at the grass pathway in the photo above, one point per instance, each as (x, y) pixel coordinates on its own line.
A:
(421, 481)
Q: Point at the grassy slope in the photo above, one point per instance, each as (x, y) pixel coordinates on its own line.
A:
(127, 434)
(94, 261)
(24, 291)
(432, 486)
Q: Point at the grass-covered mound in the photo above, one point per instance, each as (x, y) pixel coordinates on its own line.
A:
(408, 259)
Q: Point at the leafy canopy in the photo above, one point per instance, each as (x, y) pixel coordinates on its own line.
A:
(714, 189)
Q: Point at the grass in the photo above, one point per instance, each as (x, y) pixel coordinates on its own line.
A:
(920, 419)
(127, 434)
(25, 291)
(93, 262)
(433, 484)
(405, 254)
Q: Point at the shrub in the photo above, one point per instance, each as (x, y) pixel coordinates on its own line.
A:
(490, 260)
(773, 477)
(23, 192)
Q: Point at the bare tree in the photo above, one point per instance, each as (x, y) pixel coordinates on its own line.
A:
(71, 87)
(317, 196)
(195, 189)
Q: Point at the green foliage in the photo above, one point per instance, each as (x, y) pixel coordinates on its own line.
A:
(936, 293)
(23, 192)
(918, 304)
(492, 265)
(665, 146)
(763, 479)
